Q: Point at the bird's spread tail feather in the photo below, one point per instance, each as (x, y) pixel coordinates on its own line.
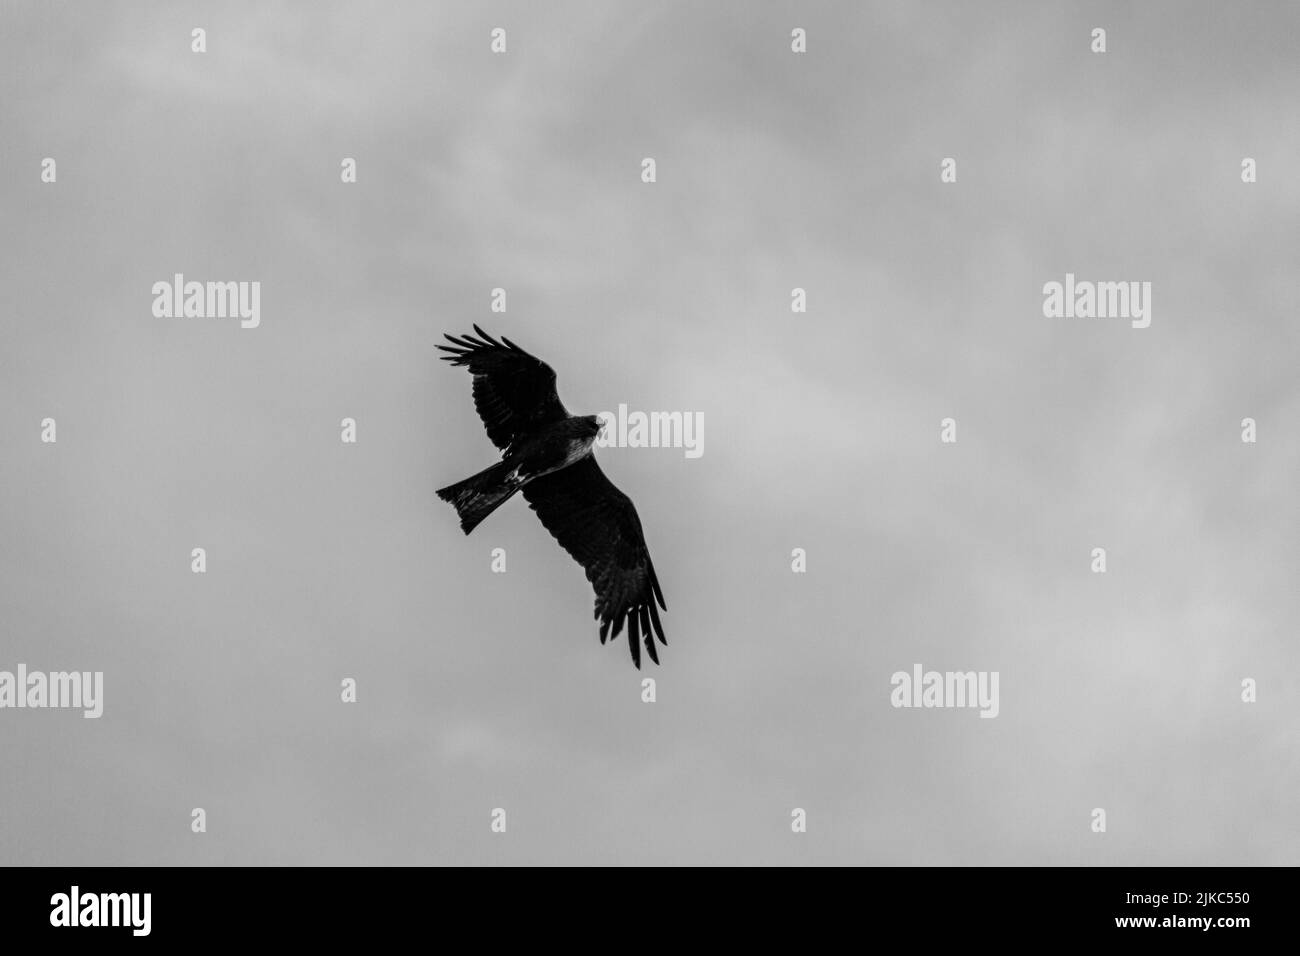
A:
(479, 495)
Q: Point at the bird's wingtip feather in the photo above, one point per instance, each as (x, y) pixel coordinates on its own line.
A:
(488, 338)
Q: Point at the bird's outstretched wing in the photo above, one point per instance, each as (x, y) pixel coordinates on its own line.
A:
(597, 524)
(514, 392)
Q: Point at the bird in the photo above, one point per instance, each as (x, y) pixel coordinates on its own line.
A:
(546, 454)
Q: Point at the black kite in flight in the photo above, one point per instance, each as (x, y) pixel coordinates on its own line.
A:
(547, 453)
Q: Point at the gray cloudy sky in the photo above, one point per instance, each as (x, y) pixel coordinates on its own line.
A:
(479, 690)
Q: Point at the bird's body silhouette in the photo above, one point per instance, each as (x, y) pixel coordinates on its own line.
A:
(547, 454)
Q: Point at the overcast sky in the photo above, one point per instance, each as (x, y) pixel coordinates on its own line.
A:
(775, 170)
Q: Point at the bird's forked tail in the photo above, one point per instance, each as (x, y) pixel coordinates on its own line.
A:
(479, 495)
